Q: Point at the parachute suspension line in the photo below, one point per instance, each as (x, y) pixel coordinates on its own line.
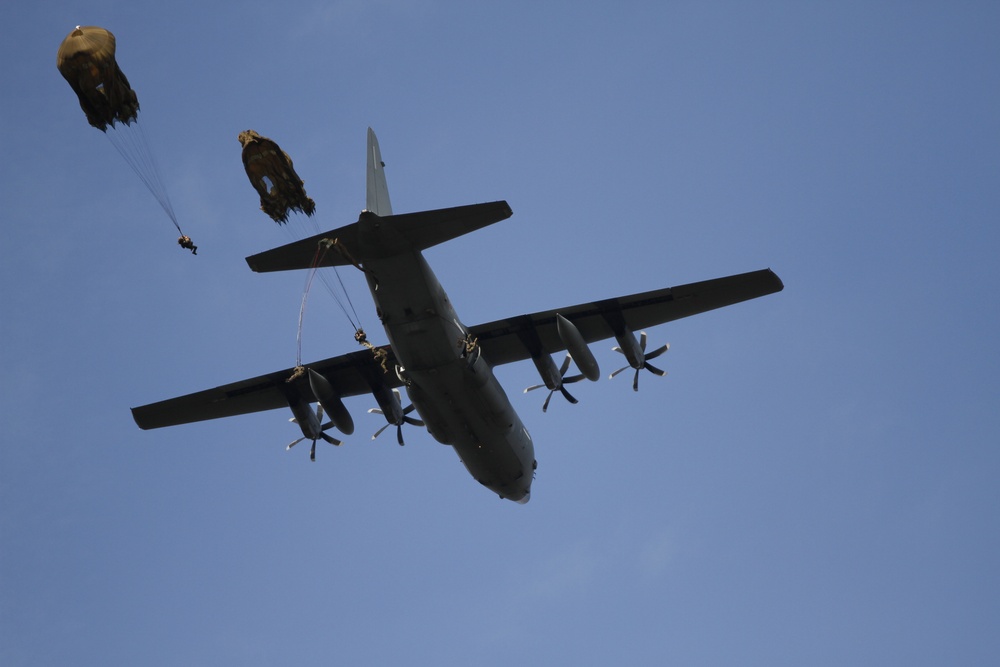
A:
(157, 179)
(322, 248)
(360, 336)
(320, 252)
(302, 313)
(347, 295)
(132, 144)
(325, 245)
(346, 254)
(381, 356)
(299, 227)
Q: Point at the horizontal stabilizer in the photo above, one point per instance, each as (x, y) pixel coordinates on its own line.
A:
(376, 237)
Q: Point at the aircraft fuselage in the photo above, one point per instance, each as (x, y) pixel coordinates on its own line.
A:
(449, 383)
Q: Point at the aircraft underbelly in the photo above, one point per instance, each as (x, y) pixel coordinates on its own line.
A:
(463, 405)
(451, 386)
(418, 318)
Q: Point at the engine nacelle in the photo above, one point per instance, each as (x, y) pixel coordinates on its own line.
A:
(548, 371)
(630, 347)
(388, 402)
(577, 347)
(328, 398)
(304, 417)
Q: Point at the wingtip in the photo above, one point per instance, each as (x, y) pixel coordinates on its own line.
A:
(778, 282)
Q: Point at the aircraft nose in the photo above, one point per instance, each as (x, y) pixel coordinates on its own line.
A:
(524, 501)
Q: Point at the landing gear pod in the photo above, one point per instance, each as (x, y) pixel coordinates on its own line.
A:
(327, 397)
(578, 349)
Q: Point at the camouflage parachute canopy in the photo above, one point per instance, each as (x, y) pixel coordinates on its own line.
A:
(271, 174)
(86, 59)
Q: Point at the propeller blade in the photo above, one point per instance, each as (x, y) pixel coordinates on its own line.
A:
(643, 360)
(658, 351)
(322, 434)
(653, 369)
(565, 365)
(568, 396)
(563, 381)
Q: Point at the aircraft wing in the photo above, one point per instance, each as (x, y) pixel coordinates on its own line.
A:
(526, 336)
(351, 375)
(503, 341)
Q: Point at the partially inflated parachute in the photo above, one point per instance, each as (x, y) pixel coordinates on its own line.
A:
(271, 174)
(86, 59)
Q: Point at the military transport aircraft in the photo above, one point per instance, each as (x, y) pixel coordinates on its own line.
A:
(444, 365)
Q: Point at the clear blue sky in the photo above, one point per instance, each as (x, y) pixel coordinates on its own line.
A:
(815, 482)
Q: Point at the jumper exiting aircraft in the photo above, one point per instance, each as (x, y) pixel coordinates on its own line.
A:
(445, 366)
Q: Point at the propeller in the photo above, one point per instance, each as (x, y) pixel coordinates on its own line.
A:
(554, 384)
(397, 419)
(320, 434)
(642, 360)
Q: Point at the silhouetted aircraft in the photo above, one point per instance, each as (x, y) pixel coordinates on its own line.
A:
(445, 366)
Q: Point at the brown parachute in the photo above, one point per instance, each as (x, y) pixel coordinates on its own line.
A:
(86, 59)
(271, 174)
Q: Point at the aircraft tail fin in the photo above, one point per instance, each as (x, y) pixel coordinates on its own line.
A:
(377, 190)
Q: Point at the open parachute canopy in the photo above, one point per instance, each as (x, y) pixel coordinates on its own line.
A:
(86, 59)
(271, 174)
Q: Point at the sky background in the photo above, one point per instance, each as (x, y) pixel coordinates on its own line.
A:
(814, 483)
